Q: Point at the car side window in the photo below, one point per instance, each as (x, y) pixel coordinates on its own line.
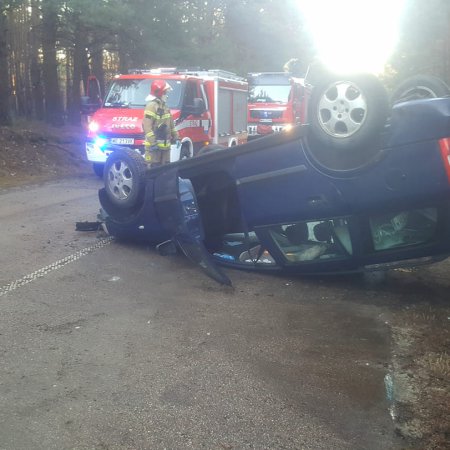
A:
(309, 241)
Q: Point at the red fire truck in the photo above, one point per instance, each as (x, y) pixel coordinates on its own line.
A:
(275, 102)
(208, 107)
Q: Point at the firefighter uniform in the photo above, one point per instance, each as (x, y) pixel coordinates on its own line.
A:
(159, 131)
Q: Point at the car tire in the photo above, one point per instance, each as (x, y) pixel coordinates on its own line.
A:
(124, 177)
(419, 87)
(98, 169)
(346, 115)
(210, 148)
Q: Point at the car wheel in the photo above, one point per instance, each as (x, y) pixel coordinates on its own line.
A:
(210, 148)
(124, 177)
(98, 169)
(418, 87)
(346, 115)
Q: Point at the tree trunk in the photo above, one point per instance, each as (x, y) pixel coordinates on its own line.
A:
(79, 50)
(97, 69)
(37, 93)
(5, 116)
(53, 105)
(123, 45)
(85, 69)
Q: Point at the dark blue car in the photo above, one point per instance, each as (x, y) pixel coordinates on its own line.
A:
(363, 186)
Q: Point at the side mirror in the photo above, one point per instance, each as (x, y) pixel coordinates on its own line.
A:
(88, 106)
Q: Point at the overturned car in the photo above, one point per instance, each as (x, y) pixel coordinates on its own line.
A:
(363, 186)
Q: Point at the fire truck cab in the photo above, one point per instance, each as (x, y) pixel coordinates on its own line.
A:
(276, 102)
(208, 107)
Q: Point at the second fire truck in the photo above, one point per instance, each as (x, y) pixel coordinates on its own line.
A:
(275, 102)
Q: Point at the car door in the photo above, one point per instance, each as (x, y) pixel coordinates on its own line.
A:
(195, 118)
(177, 208)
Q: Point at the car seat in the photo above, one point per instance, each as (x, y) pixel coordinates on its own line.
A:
(297, 233)
(304, 249)
(322, 232)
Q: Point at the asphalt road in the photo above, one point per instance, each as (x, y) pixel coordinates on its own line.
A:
(107, 345)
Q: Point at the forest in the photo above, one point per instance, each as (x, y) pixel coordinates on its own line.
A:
(49, 48)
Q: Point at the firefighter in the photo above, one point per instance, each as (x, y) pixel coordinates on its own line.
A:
(295, 67)
(159, 129)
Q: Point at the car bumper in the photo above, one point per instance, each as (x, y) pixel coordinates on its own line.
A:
(96, 154)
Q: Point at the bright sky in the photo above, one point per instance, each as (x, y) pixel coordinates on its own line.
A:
(353, 35)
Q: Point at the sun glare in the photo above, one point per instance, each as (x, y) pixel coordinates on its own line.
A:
(353, 35)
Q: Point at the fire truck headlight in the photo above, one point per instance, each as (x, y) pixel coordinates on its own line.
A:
(287, 127)
(93, 126)
(100, 142)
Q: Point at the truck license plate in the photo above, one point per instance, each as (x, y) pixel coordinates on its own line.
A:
(122, 141)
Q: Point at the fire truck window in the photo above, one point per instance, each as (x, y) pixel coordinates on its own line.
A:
(131, 93)
(269, 94)
(128, 94)
(190, 93)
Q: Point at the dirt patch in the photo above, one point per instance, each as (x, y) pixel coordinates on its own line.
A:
(35, 152)
(419, 380)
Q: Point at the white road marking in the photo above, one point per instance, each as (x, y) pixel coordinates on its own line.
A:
(54, 266)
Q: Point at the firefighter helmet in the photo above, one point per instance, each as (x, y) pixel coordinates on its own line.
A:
(159, 88)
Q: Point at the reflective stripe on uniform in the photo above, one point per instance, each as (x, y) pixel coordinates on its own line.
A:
(163, 144)
(152, 115)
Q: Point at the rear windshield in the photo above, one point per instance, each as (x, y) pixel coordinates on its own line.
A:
(133, 93)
